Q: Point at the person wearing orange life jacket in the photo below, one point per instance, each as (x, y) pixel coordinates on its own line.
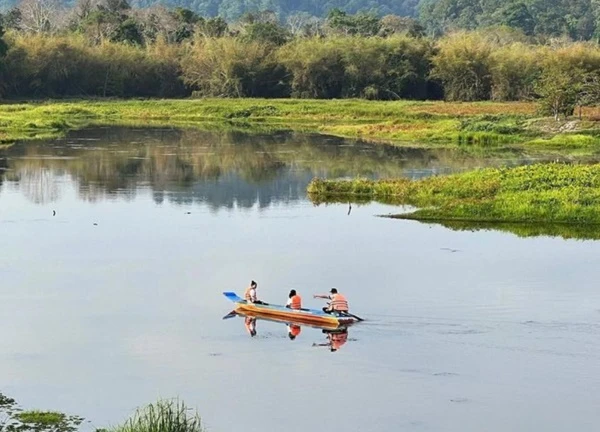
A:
(337, 302)
(293, 331)
(294, 300)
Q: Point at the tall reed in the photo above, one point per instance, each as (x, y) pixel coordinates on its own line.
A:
(163, 416)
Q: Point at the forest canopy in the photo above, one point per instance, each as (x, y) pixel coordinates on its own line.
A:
(577, 19)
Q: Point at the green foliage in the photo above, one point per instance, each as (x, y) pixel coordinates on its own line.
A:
(42, 66)
(554, 193)
(14, 419)
(515, 68)
(3, 45)
(576, 19)
(558, 88)
(212, 27)
(424, 123)
(564, 230)
(233, 67)
(162, 416)
(128, 31)
(462, 63)
(371, 68)
(266, 33)
(361, 24)
(517, 15)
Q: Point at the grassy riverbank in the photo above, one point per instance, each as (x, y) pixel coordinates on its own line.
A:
(546, 193)
(411, 122)
(414, 123)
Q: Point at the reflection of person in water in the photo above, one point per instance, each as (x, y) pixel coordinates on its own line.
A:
(293, 331)
(335, 339)
(250, 324)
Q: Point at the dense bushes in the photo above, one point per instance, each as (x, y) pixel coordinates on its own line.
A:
(466, 66)
(373, 68)
(57, 66)
(233, 67)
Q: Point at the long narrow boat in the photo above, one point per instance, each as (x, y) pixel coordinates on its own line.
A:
(300, 321)
(281, 313)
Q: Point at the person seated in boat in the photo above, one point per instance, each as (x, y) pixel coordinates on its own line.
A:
(337, 302)
(293, 331)
(250, 294)
(294, 300)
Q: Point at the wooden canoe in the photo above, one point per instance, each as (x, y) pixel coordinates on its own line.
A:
(281, 313)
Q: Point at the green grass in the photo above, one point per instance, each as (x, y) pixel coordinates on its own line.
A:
(429, 123)
(414, 123)
(162, 416)
(547, 193)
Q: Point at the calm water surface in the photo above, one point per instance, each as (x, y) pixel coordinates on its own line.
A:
(116, 300)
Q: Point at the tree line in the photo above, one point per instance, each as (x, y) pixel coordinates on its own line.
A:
(232, 10)
(577, 19)
(108, 49)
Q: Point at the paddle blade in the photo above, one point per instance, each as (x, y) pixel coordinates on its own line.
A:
(233, 297)
(230, 315)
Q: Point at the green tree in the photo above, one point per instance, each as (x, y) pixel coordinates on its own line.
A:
(3, 44)
(462, 64)
(361, 24)
(212, 27)
(12, 19)
(517, 15)
(186, 21)
(558, 89)
(397, 25)
(128, 31)
(266, 33)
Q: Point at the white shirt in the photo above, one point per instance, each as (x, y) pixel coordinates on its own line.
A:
(289, 302)
(253, 294)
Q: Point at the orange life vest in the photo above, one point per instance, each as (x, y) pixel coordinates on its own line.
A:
(295, 329)
(338, 303)
(338, 339)
(296, 302)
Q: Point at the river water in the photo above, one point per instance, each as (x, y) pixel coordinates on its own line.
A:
(116, 300)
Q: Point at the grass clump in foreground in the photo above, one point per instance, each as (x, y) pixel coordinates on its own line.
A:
(14, 419)
(548, 193)
(162, 416)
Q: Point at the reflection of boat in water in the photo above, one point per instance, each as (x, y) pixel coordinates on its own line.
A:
(251, 316)
(311, 317)
(336, 335)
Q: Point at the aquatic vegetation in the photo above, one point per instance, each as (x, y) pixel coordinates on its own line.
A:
(14, 419)
(553, 192)
(563, 230)
(162, 416)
